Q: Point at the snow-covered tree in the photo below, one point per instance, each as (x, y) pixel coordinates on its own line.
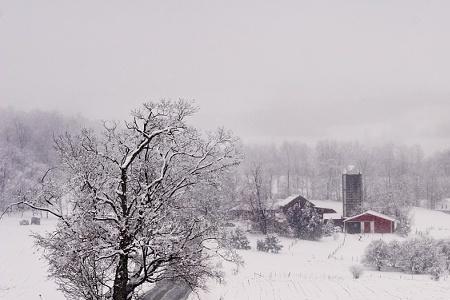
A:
(256, 189)
(270, 244)
(239, 240)
(143, 204)
(305, 222)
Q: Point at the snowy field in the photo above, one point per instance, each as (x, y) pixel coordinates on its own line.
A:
(303, 269)
(23, 275)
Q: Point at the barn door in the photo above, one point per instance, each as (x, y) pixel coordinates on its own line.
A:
(366, 227)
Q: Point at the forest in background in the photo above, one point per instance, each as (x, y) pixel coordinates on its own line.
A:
(27, 148)
(392, 173)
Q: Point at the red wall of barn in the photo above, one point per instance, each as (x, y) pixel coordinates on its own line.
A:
(381, 225)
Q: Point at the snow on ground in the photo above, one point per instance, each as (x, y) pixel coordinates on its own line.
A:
(432, 222)
(303, 269)
(23, 275)
(320, 270)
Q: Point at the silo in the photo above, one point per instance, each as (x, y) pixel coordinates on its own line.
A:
(352, 192)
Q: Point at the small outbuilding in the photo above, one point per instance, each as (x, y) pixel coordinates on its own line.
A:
(370, 222)
(443, 205)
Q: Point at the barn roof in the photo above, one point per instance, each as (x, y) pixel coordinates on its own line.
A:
(332, 216)
(279, 203)
(336, 206)
(283, 203)
(373, 213)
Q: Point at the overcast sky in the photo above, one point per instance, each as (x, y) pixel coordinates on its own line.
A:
(269, 70)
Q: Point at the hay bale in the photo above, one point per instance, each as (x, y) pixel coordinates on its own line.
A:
(24, 222)
(35, 221)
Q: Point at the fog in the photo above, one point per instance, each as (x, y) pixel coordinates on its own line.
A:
(297, 70)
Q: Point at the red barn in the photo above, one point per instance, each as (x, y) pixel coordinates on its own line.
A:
(370, 222)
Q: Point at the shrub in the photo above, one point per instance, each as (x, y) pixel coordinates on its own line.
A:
(239, 240)
(394, 252)
(273, 244)
(420, 256)
(357, 271)
(436, 272)
(377, 254)
(270, 244)
(261, 245)
(328, 229)
(444, 247)
(335, 236)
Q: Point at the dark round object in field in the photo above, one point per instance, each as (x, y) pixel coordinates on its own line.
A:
(35, 221)
(24, 222)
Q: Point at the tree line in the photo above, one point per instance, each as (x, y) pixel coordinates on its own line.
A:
(392, 173)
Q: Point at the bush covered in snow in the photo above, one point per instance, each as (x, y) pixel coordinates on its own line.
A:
(261, 245)
(357, 271)
(444, 247)
(377, 254)
(270, 244)
(394, 252)
(418, 256)
(239, 240)
(328, 229)
(422, 256)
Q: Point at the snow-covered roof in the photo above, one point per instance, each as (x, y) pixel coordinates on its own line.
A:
(351, 170)
(279, 203)
(373, 213)
(334, 216)
(335, 205)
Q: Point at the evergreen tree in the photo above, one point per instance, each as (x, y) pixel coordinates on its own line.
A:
(305, 222)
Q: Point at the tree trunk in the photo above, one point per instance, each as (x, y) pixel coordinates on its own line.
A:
(120, 291)
(288, 183)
